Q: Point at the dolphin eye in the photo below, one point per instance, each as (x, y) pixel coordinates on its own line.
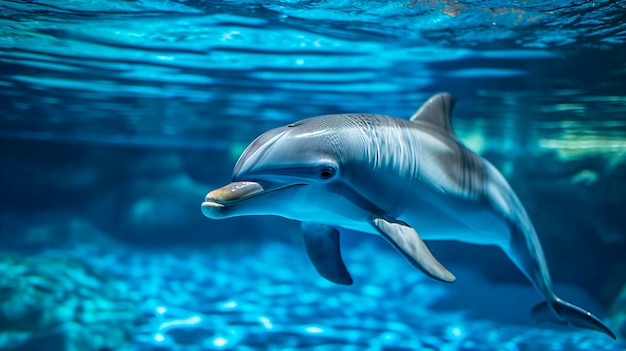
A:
(327, 172)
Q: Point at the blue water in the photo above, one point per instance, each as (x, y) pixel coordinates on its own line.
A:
(117, 117)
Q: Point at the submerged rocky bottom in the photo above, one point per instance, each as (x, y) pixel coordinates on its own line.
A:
(94, 297)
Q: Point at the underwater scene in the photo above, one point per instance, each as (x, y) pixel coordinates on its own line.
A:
(165, 187)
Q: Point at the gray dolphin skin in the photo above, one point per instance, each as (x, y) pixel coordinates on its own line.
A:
(406, 180)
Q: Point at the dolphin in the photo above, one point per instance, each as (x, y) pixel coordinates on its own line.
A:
(406, 180)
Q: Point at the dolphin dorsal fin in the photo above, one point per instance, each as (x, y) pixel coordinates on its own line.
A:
(437, 111)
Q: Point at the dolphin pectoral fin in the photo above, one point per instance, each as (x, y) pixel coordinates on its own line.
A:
(322, 246)
(406, 240)
(567, 313)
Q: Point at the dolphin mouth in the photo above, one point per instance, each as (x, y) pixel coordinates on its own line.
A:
(236, 192)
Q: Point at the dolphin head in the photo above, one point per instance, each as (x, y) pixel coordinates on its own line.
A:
(287, 171)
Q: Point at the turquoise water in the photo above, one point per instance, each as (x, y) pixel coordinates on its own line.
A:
(117, 117)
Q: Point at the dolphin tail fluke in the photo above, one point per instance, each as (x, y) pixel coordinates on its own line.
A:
(563, 312)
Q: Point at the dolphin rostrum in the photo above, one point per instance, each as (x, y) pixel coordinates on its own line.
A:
(407, 180)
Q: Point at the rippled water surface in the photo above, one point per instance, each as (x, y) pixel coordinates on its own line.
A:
(184, 72)
(117, 116)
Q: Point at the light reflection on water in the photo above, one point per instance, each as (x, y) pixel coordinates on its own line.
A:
(181, 74)
(538, 82)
